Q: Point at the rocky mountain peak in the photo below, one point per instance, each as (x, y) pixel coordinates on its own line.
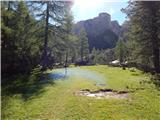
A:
(104, 15)
(100, 30)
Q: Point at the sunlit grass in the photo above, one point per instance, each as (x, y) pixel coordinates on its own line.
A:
(58, 102)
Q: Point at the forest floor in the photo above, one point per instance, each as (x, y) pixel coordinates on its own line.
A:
(72, 95)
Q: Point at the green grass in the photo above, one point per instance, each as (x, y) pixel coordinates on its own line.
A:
(57, 101)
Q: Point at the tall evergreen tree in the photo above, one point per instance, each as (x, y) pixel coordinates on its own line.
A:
(17, 38)
(52, 12)
(144, 18)
(84, 47)
(121, 51)
(68, 23)
(7, 31)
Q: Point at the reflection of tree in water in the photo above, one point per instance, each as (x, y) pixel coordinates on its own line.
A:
(65, 72)
(65, 66)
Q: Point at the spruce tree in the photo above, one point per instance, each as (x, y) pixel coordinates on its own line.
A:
(121, 51)
(84, 47)
(17, 38)
(143, 34)
(52, 12)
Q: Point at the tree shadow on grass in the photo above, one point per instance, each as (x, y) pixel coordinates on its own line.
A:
(27, 85)
(154, 79)
(135, 74)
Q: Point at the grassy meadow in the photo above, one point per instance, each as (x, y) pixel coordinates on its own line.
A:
(55, 99)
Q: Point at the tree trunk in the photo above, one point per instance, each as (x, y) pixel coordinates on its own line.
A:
(154, 38)
(66, 60)
(81, 51)
(44, 54)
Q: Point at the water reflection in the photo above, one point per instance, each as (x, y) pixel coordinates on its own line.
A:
(56, 76)
(69, 72)
(65, 72)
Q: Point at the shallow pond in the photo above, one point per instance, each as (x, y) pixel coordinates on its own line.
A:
(71, 72)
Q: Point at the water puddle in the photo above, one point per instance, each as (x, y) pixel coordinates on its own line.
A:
(71, 72)
(56, 76)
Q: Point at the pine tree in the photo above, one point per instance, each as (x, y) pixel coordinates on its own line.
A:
(95, 56)
(52, 12)
(84, 47)
(144, 19)
(121, 51)
(20, 45)
(67, 25)
(7, 31)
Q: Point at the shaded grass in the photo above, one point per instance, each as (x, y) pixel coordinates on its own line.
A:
(58, 101)
(26, 85)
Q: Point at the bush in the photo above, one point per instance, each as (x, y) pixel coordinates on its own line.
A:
(35, 75)
(156, 80)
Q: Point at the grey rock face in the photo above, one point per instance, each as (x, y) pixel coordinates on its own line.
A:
(116, 28)
(101, 31)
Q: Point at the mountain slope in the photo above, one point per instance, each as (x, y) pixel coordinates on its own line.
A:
(102, 33)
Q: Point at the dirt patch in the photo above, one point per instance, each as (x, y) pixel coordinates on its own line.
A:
(104, 94)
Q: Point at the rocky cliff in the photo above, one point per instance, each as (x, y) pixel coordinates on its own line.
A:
(102, 33)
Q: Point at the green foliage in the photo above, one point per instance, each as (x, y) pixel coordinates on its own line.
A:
(110, 55)
(121, 51)
(83, 44)
(23, 36)
(102, 56)
(143, 32)
(52, 13)
(20, 46)
(35, 76)
(98, 56)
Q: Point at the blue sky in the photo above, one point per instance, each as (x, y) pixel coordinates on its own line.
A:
(87, 9)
